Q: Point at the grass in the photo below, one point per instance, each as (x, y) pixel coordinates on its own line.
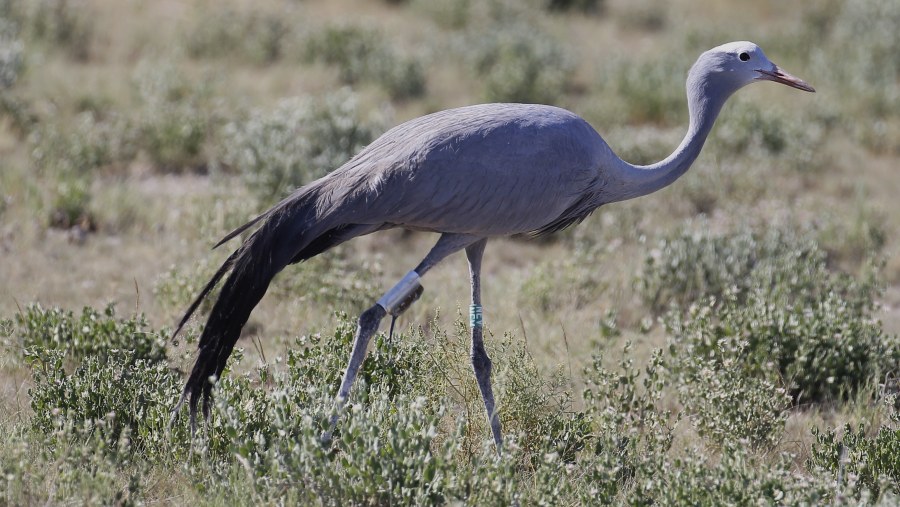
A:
(730, 339)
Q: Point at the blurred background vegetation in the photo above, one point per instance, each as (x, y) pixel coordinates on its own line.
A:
(728, 339)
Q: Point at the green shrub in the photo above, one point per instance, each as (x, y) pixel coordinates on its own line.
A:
(644, 15)
(299, 141)
(413, 432)
(385, 455)
(174, 117)
(222, 32)
(819, 348)
(536, 407)
(91, 334)
(863, 37)
(396, 442)
(11, 53)
(131, 397)
(771, 137)
(633, 431)
(64, 24)
(869, 463)
(19, 112)
(650, 91)
(772, 309)
(519, 64)
(866, 33)
(363, 55)
(588, 6)
(385, 447)
(81, 463)
(68, 154)
(736, 478)
(90, 143)
(450, 14)
(398, 366)
(858, 236)
(727, 405)
(692, 264)
(71, 205)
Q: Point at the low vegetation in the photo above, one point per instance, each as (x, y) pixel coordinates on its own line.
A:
(729, 340)
(738, 364)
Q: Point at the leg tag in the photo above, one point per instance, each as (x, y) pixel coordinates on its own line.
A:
(475, 318)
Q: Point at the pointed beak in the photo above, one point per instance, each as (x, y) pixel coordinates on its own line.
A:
(780, 76)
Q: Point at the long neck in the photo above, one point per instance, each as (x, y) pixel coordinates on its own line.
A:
(704, 103)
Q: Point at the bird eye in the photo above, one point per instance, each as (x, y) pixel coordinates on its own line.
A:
(744, 57)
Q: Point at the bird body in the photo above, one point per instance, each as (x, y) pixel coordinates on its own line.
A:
(470, 174)
(538, 162)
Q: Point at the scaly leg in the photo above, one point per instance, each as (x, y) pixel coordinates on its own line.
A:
(394, 301)
(481, 363)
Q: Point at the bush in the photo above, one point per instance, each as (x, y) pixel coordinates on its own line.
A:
(650, 91)
(863, 36)
(258, 37)
(644, 15)
(175, 289)
(11, 54)
(633, 432)
(820, 348)
(71, 205)
(537, 408)
(736, 478)
(398, 366)
(131, 397)
(865, 33)
(450, 14)
(92, 334)
(64, 24)
(79, 463)
(588, 6)
(174, 119)
(297, 142)
(868, 464)
(99, 428)
(519, 64)
(692, 264)
(91, 143)
(363, 55)
(773, 310)
(728, 405)
(771, 137)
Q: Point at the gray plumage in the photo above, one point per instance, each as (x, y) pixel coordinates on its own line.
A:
(470, 173)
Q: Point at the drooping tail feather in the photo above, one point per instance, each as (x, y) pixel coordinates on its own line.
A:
(285, 230)
(206, 290)
(290, 233)
(252, 268)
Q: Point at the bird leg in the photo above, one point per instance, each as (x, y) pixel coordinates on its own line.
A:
(367, 326)
(481, 363)
(394, 302)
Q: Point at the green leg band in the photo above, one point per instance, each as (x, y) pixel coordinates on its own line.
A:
(475, 316)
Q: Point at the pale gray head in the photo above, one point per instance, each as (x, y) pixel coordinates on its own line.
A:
(725, 69)
(716, 75)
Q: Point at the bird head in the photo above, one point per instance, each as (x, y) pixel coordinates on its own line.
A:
(736, 64)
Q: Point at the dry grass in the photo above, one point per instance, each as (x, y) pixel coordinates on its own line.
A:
(149, 220)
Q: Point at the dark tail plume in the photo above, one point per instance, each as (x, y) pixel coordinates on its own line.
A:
(290, 233)
(285, 231)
